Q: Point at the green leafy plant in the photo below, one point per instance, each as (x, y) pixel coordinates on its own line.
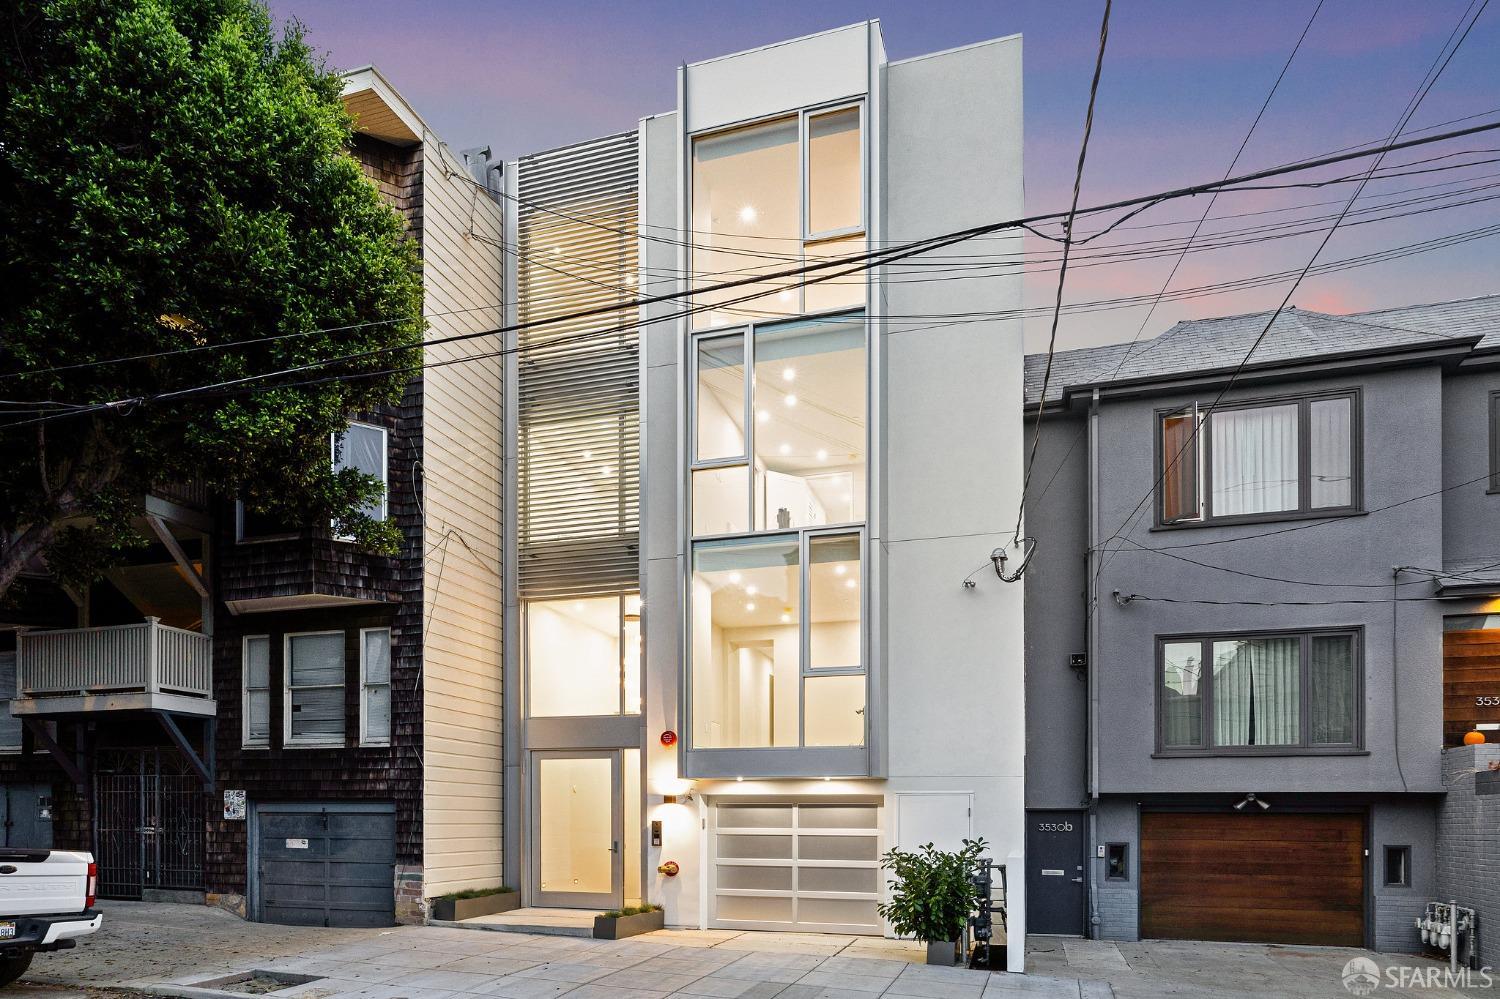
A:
(176, 188)
(931, 895)
(455, 896)
(630, 910)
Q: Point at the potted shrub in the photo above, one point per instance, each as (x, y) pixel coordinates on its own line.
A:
(473, 902)
(617, 924)
(932, 896)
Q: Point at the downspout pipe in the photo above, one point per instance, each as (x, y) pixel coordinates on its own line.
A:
(1091, 723)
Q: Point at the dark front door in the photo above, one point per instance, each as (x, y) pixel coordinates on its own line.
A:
(148, 822)
(325, 865)
(26, 816)
(1056, 889)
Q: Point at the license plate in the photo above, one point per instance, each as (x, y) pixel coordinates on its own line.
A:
(7, 929)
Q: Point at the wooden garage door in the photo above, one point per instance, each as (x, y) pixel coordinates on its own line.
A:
(1264, 878)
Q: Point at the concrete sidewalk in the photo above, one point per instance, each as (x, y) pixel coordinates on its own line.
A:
(174, 950)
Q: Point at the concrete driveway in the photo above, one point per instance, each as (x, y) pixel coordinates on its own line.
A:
(176, 950)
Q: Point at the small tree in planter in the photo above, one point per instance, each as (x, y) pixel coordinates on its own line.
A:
(932, 896)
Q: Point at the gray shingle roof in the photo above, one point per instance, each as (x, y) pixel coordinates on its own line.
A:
(1216, 344)
(1481, 574)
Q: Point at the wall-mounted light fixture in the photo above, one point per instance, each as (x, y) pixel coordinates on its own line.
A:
(1251, 799)
(677, 799)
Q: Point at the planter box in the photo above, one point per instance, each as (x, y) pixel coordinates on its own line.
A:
(943, 952)
(628, 926)
(453, 909)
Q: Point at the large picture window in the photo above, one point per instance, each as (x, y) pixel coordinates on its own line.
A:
(1259, 460)
(777, 642)
(779, 427)
(770, 196)
(583, 656)
(1264, 692)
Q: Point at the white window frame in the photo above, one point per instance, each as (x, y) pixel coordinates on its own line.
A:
(804, 141)
(385, 467)
(365, 687)
(622, 618)
(245, 739)
(803, 153)
(286, 694)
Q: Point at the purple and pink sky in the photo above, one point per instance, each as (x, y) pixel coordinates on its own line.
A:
(1182, 81)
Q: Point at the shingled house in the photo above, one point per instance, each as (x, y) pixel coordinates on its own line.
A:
(245, 696)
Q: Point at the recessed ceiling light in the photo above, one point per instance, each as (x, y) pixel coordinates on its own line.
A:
(851, 584)
(785, 449)
(822, 454)
(790, 400)
(788, 374)
(786, 619)
(735, 577)
(750, 606)
(840, 569)
(762, 416)
(606, 471)
(752, 589)
(748, 214)
(588, 455)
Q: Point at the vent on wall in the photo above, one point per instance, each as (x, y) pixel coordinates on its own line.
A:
(578, 438)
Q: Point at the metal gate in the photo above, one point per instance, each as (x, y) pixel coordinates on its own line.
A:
(148, 822)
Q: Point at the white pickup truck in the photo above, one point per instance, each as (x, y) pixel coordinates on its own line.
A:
(46, 903)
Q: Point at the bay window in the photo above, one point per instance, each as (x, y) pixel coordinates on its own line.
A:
(1259, 460)
(772, 195)
(583, 656)
(1258, 692)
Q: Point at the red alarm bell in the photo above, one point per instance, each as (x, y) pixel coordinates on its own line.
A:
(668, 737)
(670, 869)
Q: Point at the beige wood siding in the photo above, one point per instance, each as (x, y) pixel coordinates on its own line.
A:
(461, 480)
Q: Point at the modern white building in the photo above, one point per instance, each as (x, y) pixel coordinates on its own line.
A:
(739, 520)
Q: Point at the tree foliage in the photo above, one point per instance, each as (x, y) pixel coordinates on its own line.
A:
(175, 174)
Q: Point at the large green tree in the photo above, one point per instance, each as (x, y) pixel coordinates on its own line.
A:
(175, 174)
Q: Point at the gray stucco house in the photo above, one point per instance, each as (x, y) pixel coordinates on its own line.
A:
(1257, 625)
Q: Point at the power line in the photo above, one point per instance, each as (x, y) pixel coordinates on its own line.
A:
(1429, 80)
(1062, 270)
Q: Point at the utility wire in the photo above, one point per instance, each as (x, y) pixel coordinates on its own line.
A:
(1429, 80)
(1062, 269)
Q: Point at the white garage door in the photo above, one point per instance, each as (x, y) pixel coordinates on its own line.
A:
(796, 866)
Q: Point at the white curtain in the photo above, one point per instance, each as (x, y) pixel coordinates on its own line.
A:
(1331, 705)
(1254, 460)
(1329, 453)
(1256, 692)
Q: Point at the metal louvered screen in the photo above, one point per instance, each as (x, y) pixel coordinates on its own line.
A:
(579, 407)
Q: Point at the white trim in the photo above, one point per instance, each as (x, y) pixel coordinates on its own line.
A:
(287, 740)
(245, 688)
(364, 690)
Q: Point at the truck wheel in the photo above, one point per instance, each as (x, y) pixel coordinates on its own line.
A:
(13, 966)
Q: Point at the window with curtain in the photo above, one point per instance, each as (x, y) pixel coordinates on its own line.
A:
(375, 687)
(256, 696)
(1260, 691)
(1281, 457)
(314, 689)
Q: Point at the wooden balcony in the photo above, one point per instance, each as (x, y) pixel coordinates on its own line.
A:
(132, 667)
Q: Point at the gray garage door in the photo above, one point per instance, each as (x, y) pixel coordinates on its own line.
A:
(325, 865)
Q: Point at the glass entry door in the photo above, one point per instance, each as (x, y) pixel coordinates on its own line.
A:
(577, 830)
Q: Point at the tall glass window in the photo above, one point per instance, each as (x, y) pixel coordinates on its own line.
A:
(583, 656)
(770, 196)
(799, 459)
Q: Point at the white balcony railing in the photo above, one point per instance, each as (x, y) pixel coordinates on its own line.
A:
(149, 657)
